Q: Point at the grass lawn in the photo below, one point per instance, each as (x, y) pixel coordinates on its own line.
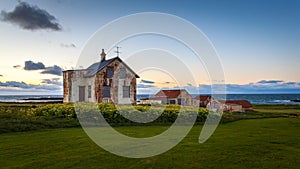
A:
(255, 143)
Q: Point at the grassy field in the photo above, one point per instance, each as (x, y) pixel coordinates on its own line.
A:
(256, 143)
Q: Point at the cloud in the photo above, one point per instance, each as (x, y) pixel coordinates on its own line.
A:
(54, 70)
(22, 86)
(147, 81)
(72, 45)
(1, 75)
(29, 65)
(53, 81)
(263, 86)
(270, 81)
(30, 17)
(17, 66)
(143, 86)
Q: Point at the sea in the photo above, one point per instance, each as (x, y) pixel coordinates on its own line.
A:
(253, 98)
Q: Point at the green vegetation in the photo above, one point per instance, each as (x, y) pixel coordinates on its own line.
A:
(36, 116)
(28, 117)
(259, 143)
(264, 111)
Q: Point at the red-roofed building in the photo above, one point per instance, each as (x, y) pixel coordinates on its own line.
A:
(202, 100)
(230, 105)
(179, 96)
(246, 105)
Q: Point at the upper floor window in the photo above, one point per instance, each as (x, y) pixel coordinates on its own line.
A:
(110, 72)
(122, 73)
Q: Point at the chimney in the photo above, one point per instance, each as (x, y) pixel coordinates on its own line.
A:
(102, 56)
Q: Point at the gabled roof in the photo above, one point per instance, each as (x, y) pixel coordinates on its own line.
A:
(244, 103)
(169, 93)
(202, 97)
(96, 67)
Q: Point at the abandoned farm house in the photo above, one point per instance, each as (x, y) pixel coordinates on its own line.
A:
(202, 100)
(230, 105)
(105, 81)
(179, 96)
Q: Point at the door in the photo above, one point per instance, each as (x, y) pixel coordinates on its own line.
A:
(81, 93)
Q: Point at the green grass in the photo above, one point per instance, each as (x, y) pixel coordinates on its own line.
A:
(258, 143)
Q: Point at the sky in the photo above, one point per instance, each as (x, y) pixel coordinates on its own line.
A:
(258, 43)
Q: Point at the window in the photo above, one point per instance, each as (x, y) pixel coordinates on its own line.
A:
(122, 73)
(186, 101)
(126, 91)
(89, 91)
(106, 91)
(171, 102)
(109, 72)
(180, 101)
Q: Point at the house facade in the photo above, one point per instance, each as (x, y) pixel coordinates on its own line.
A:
(230, 105)
(179, 96)
(105, 81)
(202, 100)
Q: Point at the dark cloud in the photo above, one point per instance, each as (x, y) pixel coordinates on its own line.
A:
(72, 45)
(17, 66)
(22, 85)
(53, 81)
(1, 75)
(54, 70)
(29, 65)
(30, 17)
(270, 81)
(147, 81)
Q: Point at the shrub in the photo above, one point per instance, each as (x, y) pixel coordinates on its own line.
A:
(24, 118)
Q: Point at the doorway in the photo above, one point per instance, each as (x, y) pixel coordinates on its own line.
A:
(81, 93)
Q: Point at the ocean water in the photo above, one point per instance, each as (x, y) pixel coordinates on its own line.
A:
(256, 98)
(28, 98)
(253, 98)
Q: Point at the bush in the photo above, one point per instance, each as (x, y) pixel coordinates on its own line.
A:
(24, 118)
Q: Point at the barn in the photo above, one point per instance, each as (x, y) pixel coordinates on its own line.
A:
(109, 80)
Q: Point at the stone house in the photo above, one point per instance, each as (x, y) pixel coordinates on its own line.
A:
(105, 81)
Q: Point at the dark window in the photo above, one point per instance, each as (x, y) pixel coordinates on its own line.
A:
(171, 102)
(106, 91)
(179, 101)
(81, 93)
(126, 91)
(110, 72)
(122, 73)
(89, 91)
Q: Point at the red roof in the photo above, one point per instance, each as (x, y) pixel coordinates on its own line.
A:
(203, 97)
(245, 103)
(169, 93)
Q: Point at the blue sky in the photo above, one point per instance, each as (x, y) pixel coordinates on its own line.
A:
(255, 40)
